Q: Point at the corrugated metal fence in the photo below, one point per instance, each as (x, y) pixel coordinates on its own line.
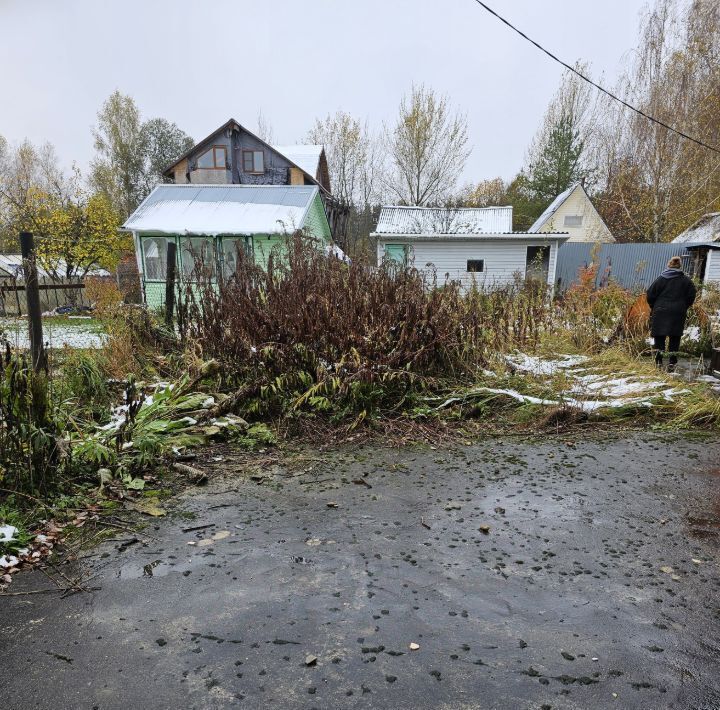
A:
(633, 266)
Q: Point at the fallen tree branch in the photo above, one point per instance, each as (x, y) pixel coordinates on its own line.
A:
(229, 404)
(64, 590)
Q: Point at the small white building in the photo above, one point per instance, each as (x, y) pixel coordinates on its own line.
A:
(702, 240)
(573, 212)
(467, 245)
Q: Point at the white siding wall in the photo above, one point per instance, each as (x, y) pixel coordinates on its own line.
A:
(712, 268)
(449, 259)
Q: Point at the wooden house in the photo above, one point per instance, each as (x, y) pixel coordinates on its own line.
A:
(233, 155)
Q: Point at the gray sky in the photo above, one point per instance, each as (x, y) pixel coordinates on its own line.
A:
(199, 62)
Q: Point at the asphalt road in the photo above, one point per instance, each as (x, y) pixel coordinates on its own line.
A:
(596, 585)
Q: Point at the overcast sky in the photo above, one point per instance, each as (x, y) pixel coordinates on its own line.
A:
(200, 62)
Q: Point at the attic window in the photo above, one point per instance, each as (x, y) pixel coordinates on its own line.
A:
(254, 161)
(475, 266)
(572, 220)
(213, 159)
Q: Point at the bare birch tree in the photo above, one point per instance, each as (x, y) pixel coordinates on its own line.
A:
(658, 183)
(426, 148)
(264, 128)
(348, 144)
(353, 159)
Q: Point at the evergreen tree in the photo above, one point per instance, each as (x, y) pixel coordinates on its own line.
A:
(558, 164)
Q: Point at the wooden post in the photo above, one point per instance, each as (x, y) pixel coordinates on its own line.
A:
(32, 295)
(170, 285)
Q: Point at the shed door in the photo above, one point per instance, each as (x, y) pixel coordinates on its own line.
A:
(396, 253)
(537, 263)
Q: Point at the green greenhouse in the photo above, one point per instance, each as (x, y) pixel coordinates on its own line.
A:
(210, 223)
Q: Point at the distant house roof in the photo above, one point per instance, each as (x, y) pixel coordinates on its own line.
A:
(309, 158)
(553, 207)
(11, 266)
(437, 220)
(210, 210)
(306, 157)
(706, 229)
(591, 235)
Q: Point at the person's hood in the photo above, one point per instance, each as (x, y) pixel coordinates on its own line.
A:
(671, 273)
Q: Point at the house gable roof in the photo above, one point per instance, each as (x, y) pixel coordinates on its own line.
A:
(706, 229)
(554, 206)
(431, 220)
(210, 210)
(305, 156)
(559, 201)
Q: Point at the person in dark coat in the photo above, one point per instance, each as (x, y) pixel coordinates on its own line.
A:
(669, 297)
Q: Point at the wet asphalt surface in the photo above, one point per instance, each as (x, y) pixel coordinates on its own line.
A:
(567, 601)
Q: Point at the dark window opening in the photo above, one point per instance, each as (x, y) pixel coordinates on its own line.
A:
(213, 159)
(254, 161)
(537, 264)
(475, 266)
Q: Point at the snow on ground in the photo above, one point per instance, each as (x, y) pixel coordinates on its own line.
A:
(7, 533)
(588, 391)
(541, 366)
(57, 333)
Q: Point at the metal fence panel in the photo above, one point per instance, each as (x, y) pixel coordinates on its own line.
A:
(633, 266)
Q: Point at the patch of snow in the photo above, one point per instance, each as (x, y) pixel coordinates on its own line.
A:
(491, 390)
(692, 333)
(7, 561)
(708, 378)
(590, 391)
(540, 366)
(615, 387)
(55, 335)
(7, 533)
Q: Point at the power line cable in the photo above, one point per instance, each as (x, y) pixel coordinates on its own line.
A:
(596, 85)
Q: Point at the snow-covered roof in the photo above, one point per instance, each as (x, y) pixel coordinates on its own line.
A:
(552, 208)
(11, 265)
(306, 157)
(706, 229)
(437, 220)
(223, 209)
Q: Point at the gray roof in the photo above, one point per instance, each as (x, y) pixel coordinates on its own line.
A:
(705, 230)
(223, 209)
(11, 265)
(438, 220)
(553, 207)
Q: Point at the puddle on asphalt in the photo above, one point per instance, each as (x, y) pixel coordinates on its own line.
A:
(153, 568)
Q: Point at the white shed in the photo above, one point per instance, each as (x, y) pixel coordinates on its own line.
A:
(467, 245)
(702, 240)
